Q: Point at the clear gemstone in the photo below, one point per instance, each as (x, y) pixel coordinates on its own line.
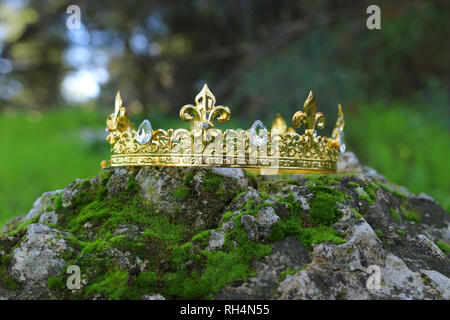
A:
(145, 132)
(204, 125)
(341, 141)
(258, 134)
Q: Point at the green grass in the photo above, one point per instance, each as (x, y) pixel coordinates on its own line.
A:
(40, 154)
(406, 143)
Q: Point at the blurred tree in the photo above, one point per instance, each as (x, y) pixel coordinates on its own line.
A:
(259, 53)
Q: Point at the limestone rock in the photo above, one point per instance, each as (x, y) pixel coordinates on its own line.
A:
(38, 257)
(158, 233)
(216, 240)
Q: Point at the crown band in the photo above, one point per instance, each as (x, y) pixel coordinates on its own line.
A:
(280, 150)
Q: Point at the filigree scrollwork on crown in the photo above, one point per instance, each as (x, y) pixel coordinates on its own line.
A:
(163, 142)
(123, 142)
(307, 146)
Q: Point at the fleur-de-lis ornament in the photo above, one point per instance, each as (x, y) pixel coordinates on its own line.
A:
(205, 110)
(340, 123)
(279, 125)
(119, 121)
(309, 116)
(338, 131)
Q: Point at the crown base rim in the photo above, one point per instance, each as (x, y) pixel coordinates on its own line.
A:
(303, 166)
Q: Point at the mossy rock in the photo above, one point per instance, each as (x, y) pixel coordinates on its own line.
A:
(204, 233)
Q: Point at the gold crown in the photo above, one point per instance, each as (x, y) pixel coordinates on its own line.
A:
(280, 150)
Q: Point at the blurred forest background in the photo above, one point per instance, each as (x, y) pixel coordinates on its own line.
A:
(259, 57)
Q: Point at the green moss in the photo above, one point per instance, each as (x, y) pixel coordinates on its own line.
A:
(410, 215)
(445, 247)
(6, 281)
(384, 186)
(146, 281)
(357, 214)
(177, 263)
(399, 194)
(250, 175)
(212, 182)
(239, 195)
(56, 283)
(220, 268)
(329, 191)
(395, 215)
(323, 211)
(202, 237)
(114, 286)
(324, 179)
(371, 192)
(378, 233)
(310, 236)
(309, 229)
(22, 228)
(353, 184)
(57, 202)
(132, 187)
(227, 215)
(209, 271)
(105, 175)
(425, 280)
(189, 179)
(181, 193)
(364, 196)
(277, 233)
(290, 272)
(401, 232)
(252, 179)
